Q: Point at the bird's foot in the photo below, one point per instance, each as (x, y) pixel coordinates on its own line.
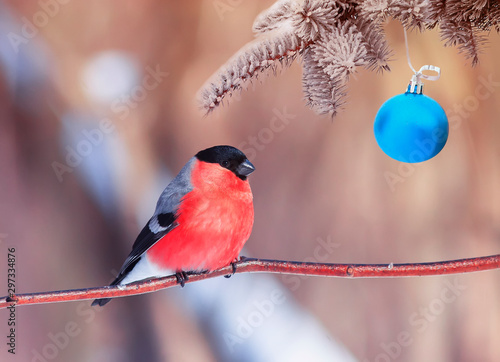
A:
(182, 277)
(233, 268)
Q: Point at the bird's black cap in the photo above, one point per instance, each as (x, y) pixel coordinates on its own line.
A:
(228, 157)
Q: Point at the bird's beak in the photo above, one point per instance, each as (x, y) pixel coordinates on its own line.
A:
(245, 168)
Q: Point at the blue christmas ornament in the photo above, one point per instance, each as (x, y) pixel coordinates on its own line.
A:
(411, 127)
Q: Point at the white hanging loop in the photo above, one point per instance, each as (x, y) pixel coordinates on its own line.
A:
(416, 84)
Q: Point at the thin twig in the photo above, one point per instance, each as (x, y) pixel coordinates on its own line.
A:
(248, 265)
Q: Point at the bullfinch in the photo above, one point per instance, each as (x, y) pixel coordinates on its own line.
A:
(201, 222)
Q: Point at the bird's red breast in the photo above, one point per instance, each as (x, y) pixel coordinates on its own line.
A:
(214, 220)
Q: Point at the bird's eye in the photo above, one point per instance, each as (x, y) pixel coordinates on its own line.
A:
(225, 163)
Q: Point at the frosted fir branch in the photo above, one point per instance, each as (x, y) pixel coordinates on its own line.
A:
(247, 265)
(378, 52)
(475, 12)
(322, 93)
(463, 35)
(435, 12)
(492, 18)
(313, 19)
(273, 17)
(302, 24)
(480, 15)
(374, 10)
(412, 13)
(275, 48)
(475, 9)
(342, 51)
(311, 15)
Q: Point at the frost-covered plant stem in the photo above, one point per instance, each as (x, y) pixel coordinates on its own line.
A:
(337, 36)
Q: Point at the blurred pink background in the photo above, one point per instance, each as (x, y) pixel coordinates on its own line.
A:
(316, 179)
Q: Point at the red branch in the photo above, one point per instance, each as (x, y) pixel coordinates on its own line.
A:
(247, 265)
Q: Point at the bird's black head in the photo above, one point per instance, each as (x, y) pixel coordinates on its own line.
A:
(228, 157)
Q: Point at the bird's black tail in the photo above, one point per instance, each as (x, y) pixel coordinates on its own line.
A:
(126, 268)
(103, 301)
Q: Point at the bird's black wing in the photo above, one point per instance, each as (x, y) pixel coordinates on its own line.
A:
(156, 228)
(162, 224)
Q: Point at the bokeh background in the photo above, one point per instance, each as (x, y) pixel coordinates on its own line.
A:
(98, 111)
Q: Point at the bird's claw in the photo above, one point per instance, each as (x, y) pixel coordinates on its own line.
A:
(233, 268)
(182, 277)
